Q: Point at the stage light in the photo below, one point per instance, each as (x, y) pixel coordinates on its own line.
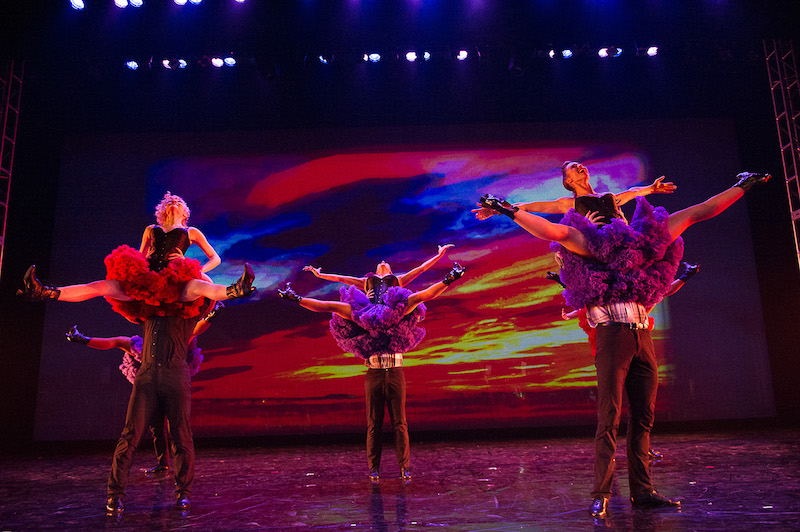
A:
(77, 4)
(137, 3)
(462, 55)
(426, 56)
(411, 57)
(617, 51)
(182, 63)
(566, 54)
(133, 65)
(217, 62)
(652, 51)
(229, 61)
(374, 57)
(195, 2)
(551, 54)
(166, 64)
(121, 3)
(180, 2)
(325, 59)
(603, 52)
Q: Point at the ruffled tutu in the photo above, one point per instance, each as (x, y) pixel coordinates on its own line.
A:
(153, 293)
(377, 328)
(635, 262)
(132, 360)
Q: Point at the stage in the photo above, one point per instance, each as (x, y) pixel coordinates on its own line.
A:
(725, 481)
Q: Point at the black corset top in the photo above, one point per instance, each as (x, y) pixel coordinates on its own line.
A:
(606, 205)
(379, 286)
(164, 243)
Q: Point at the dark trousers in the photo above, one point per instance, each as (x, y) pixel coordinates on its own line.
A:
(625, 361)
(161, 440)
(386, 388)
(157, 389)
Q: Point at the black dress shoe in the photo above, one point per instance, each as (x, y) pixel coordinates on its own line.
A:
(183, 502)
(157, 470)
(599, 509)
(654, 500)
(654, 455)
(114, 505)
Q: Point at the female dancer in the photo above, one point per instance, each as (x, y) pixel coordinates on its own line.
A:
(575, 178)
(382, 271)
(131, 362)
(157, 279)
(379, 327)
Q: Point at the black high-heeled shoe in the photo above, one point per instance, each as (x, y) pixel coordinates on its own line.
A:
(553, 276)
(244, 286)
(454, 274)
(34, 290)
(289, 293)
(748, 179)
(74, 335)
(689, 270)
(498, 205)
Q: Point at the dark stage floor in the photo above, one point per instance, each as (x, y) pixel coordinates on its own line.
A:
(741, 481)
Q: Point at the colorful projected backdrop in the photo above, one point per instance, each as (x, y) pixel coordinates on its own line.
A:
(496, 354)
(495, 340)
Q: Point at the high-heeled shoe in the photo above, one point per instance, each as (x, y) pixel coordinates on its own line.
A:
(34, 290)
(74, 335)
(498, 205)
(689, 270)
(748, 179)
(553, 276)
(244, 286)
(454, 274)
(289, 293)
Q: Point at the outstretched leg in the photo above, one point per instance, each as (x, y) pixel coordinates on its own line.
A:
(35, 290)
(243, 287)
(415, 299)
(317, 305)
(680, 221)
(567, 236)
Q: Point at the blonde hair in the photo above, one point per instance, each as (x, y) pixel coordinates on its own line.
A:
(161, 209)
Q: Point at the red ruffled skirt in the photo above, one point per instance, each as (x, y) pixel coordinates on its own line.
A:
(153, 293)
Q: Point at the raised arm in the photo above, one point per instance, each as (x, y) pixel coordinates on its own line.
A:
(425, 266)
(358, 282)
(197, 237)
(559, 206)
(656, 188)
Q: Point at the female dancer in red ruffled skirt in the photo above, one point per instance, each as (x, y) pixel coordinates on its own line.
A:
(156, 280)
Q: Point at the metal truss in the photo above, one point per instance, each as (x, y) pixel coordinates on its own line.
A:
(10, 93)
(785, 87)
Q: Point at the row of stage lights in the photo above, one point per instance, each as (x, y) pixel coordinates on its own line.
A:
(81, 4)
(180, 63)
(411, 56)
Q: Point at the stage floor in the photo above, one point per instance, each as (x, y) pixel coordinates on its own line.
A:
(741, 480)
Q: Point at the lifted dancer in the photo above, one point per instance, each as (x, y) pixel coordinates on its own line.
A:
(157, 280)
(618, 271)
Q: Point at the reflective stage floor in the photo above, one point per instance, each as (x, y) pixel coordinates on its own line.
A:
(726, 481)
